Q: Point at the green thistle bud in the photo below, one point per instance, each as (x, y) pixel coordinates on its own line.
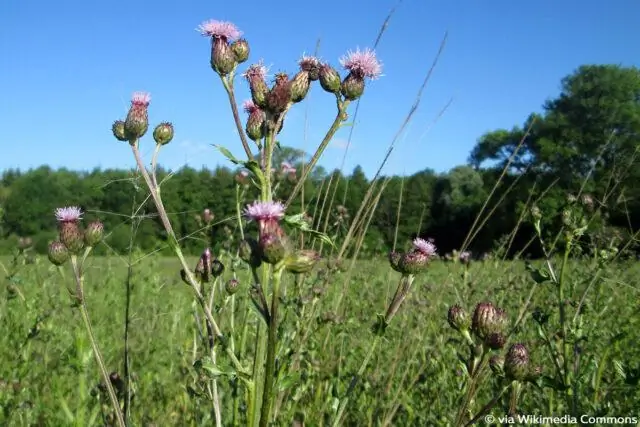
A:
(24, 243)
(273, 248)
(249, 252)
(58, 253)
(163, 133)
(137, 122)
(93, 233)
(255, 127)
(118, 130)
(71, 236)
(217, 268)
(223, 60)
(516, 363)
(302, 261)
(329, 79)
(413, 262)
(495, 340)
(394, 260)
(203, 268)
(232, 286)
(255, 75)
(240, 49)
(496, 363)
(352, 87)
(279, 96)
(458, 318)
(300, 86)
(311, 65)
(487, 319)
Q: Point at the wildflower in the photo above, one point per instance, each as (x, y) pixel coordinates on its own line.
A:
(58, 253)
(288, 170)
(256, 75)
(279, 96)
(118, 130)
(68, 223)
(273, 247)
(360, 64)
(329, 79)
(255, 122)
(426, 247)
(240, 49)
(93, 233)
(465, 257)
(137, 121)
(516, 363)
(223, 58)
(163, 133)
(267, 214)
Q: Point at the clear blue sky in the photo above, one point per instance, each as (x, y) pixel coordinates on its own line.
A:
(69, 67)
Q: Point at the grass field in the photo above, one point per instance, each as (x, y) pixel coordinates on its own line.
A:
(49, 376)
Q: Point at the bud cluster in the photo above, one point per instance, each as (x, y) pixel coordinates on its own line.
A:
(72, 238)
(136, 124)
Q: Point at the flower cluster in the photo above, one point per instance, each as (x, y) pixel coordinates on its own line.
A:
(71, 236)
(227, 49)
(414, 261)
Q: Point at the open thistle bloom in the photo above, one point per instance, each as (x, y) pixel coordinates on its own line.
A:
(69, 227)
(417, 259)
(137, 121)
(266, 214)
(360, 64)
(256, 75)
(255, 122)
(223, 58)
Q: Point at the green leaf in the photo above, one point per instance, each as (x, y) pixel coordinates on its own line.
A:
(298, 221)
(225, 152)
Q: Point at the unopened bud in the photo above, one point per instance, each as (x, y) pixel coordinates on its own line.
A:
(536, 214)
(487, 319)
(163, 133)
(249, 252)
(240, 49)
(413, 262)
(279, 96)
(300, 86)
(255, 75)
(232, 286)
(311, 65)
(93, 233)
(495, 341)
(496, 363)
(516, 363)
(58, 253)
(302, 261)
(223, 59)
(217, 268)
(24, 243)
(207, 216)
(118, 130)
(394, 260)
(352, 87)
(273, 248)
(71, 236)
(329, 79)
(137, 121)
(255, 125)
(458, 318)
(203, 268)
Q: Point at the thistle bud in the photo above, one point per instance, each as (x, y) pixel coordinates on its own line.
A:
(207, 216)
(458, 318)
(24, 243)
(255, 75)
(255, 122)
(203, 268)
(223, 59)
(93, 233)
(496, 363)
(394, 260)
(272, 248)
(302, 261)
(163, 133)
(487, 319)
(249, 252)
(232, 286)
(279, 96)
(118, 130)
(58, 253)
(311, 65)
(71, 236)
(240, 49)
(413, 262)
(516, 363)
(300, 86)
(329, 79)
(495, 341)
(137, 121)
(217, 268)
(352, 87)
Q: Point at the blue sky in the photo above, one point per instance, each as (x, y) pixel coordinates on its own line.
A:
(69, 68)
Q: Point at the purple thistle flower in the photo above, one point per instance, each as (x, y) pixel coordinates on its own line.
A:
(362, 63)
(255, 71)
(424, 246)
(464, 256)
(307, 62)
(264, 211)
(249, 106)
(219, 29)
(68, 214)
(286, 167)
(141, 99)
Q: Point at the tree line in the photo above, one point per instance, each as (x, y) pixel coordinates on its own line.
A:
(585, 142)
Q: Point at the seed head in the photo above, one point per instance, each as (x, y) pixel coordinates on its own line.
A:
(362, 64)
(329, 79)
(516, 363)
(93, 233)
(458, 318)
(58, 253)
(219, 29)
(137, 121)
(240, 49)
(118, 130)
(163, 133)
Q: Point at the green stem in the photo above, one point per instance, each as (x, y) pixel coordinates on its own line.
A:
(365, 362)
(272, 343)
(563, 320)
(228, 86)
(258, 363)
(94, 343)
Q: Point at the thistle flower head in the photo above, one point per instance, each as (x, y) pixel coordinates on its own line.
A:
(264, 211)
(141, 99)
(516, 363)
(458, 318)
(362, 63)
(424, 246)
(308, 63)
(257, 70)
(464, 257)
(68, 214)
(249, 106)
(287, 168)
(219, 29)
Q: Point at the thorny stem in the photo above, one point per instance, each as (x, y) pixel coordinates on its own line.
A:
(228, 86)
(341, 116)
(354, 380)
(267, 392)
(96, 350)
